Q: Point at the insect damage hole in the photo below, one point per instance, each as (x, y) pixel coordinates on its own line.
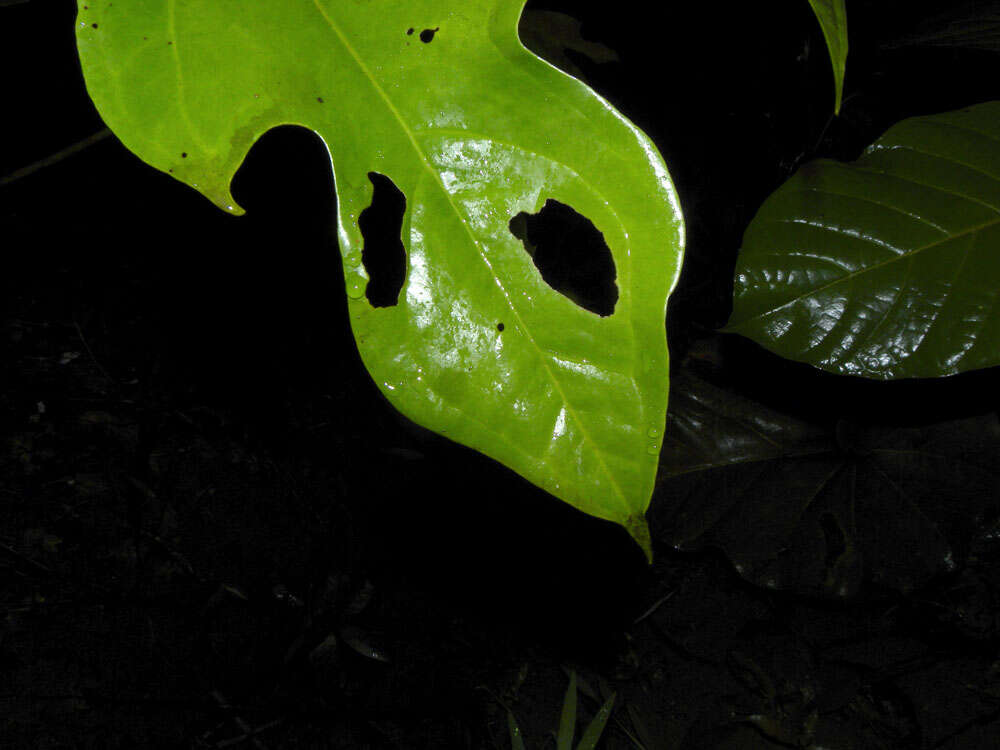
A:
(571, 255)
(383, 254)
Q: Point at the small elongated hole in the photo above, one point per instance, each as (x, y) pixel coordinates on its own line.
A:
(383, 254)
(571, 255)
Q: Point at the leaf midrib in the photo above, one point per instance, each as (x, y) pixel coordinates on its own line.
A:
(906, 255)
(437, 178)
(175, 54)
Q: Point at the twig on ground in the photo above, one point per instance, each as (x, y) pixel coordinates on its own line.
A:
(58, 156)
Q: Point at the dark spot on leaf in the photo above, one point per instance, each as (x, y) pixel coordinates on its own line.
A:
(409, 31)
(428, 34)
(94, 25)
(319, 99)
(500, 326)
(184, 155)
(169, 42)
(570, 254)
(383, 254)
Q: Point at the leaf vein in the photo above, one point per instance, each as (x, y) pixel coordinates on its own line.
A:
(175, 55)
(335, 29)
(942, 157)
(938, 188)
(864, 199)
(868, 269)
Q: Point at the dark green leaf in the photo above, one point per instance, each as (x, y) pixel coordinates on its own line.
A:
(567, 719)
(516, 739)
(593, 732)
(887, 267)
(803, 508)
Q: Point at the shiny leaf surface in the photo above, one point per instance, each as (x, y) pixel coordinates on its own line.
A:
(818, 510)
(832, 17)
(443, 99)
(887, 267)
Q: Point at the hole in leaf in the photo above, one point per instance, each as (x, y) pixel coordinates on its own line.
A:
(570, 254)
(383, 254)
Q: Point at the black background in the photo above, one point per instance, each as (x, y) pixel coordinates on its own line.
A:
(214, 427)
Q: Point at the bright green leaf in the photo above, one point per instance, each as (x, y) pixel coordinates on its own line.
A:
(442, 98)
(887, 267)
(832, 17)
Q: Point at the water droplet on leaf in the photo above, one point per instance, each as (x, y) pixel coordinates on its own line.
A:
(356, 288)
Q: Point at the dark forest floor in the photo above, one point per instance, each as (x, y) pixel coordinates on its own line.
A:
(215, 532)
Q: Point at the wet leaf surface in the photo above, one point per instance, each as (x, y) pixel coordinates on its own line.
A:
(460, 331)
(885, 267)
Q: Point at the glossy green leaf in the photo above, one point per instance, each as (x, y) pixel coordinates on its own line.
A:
(887, 267)
(441, 97)
(832, 17)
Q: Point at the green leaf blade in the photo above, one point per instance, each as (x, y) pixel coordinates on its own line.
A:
(473, 129)
(567, 718)
(886, 267)
(516, 737)
(592, 734)
(832, 17)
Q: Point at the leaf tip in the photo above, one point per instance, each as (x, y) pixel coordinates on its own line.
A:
(222, 198)
(638, 529)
